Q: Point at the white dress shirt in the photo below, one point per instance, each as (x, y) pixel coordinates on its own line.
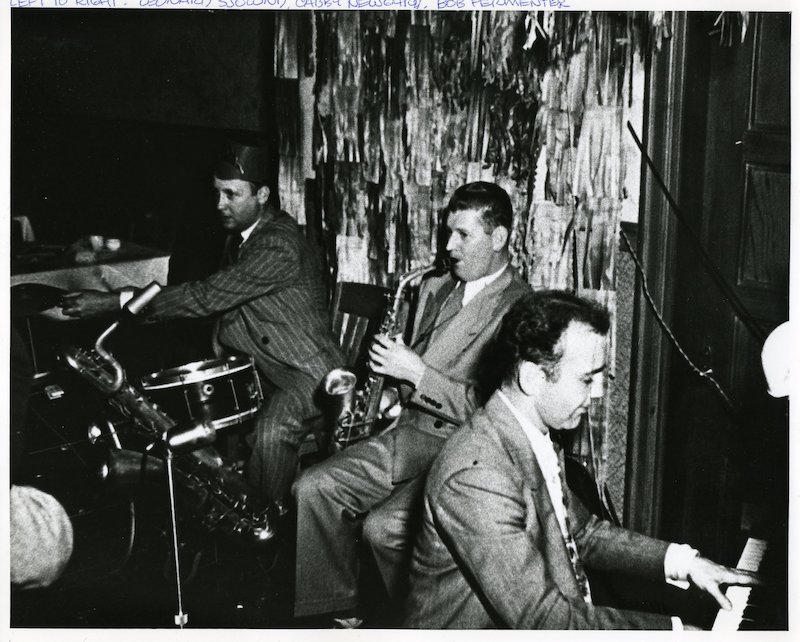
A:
(472, 288)
(678, 556)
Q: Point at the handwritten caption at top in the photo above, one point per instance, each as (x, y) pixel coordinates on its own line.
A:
(293, 4)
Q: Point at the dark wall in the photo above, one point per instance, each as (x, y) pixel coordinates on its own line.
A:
(118, 117)
(206, 69)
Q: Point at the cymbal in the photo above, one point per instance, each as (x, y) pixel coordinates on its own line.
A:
(31, 298)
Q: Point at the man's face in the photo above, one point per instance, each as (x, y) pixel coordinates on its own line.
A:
(472, 250)
(238, 206)
(562, 401)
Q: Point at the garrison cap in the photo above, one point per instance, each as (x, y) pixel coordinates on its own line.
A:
(244, 162)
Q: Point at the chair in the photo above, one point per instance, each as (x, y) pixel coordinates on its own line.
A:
(356, 316)
(358, 310)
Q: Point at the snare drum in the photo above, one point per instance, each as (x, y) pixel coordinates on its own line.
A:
(222, 391)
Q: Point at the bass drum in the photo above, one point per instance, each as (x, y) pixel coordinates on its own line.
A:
(223, 392)
(68, 437)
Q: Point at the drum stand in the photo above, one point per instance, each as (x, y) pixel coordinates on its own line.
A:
(181, 618)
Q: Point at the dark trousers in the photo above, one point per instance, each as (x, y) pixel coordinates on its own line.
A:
(280, 427)
(350, 495)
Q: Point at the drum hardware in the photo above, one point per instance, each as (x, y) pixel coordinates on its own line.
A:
(95, 432)
(220, 494)
(53, 392)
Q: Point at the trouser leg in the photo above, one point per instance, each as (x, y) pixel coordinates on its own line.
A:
(279, 430)
(331, 498)
(389, 529)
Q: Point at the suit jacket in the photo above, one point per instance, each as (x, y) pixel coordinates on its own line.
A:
(452, 351)
(271, 305)
(490, 552)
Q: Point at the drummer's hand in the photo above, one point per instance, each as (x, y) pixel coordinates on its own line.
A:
(394, 358)
(84, 304)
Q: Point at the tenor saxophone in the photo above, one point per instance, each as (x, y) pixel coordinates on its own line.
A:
(354, 411)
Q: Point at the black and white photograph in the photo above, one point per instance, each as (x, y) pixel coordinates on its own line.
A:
(397, 315)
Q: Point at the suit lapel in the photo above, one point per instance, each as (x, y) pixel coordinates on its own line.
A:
(521, 453)
(457, 336)
(433, 300)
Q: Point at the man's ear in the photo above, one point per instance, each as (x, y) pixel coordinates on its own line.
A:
(499, 238)
(263, 194)
(530, 376)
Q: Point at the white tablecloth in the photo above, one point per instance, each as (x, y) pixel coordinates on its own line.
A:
(136, 272)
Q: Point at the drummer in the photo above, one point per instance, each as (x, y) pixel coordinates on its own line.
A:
(269, 303)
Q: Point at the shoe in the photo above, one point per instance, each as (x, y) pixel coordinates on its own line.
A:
(347, 623)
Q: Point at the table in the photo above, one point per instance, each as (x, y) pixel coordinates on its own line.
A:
(130, 265)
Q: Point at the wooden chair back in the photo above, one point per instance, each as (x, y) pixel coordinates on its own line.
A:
(358, 310)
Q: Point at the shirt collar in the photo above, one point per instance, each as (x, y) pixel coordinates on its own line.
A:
(245, 234)
(472, 288)
(540, 442)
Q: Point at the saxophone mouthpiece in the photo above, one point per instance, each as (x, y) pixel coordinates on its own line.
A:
(443, 264)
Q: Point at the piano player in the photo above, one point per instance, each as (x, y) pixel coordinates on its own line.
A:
(504, 543)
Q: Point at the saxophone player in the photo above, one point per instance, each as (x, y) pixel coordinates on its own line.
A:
(375, 487)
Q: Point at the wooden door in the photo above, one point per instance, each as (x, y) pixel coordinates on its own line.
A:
(725, 468)
(717, 126)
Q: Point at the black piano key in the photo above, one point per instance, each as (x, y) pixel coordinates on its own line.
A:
(752, 618)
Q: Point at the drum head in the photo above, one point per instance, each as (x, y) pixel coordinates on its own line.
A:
(194, 372)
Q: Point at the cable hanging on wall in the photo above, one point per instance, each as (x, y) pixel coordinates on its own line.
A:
(704, 374)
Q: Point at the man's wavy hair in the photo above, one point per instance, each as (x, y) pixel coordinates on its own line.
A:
(531, 330)
(491, 200)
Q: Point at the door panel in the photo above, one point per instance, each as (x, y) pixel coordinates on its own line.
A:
(723, 468)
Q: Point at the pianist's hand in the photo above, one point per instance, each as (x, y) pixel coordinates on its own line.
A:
(712, 578)
(89, 303)
(394, 358)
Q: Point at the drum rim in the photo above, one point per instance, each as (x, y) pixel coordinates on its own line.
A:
(194, 372)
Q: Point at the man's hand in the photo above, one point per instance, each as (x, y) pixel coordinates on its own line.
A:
(389, 406)
(84, 304)
(711, 577)
(394, 358)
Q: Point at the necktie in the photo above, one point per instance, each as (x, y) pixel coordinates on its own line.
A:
(232, 249)
(574, 558)
(450, 308)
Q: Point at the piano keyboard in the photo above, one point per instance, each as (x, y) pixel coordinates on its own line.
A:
(750, 560)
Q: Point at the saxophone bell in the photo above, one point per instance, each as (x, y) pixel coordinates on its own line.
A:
(339, 382)
(339, 386)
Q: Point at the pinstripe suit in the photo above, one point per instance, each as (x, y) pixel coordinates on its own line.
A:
(271, 306)
(382, 476)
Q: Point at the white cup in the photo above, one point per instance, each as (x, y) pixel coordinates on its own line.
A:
(113, 244)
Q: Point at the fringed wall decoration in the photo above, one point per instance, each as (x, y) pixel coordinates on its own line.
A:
(410, 105)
